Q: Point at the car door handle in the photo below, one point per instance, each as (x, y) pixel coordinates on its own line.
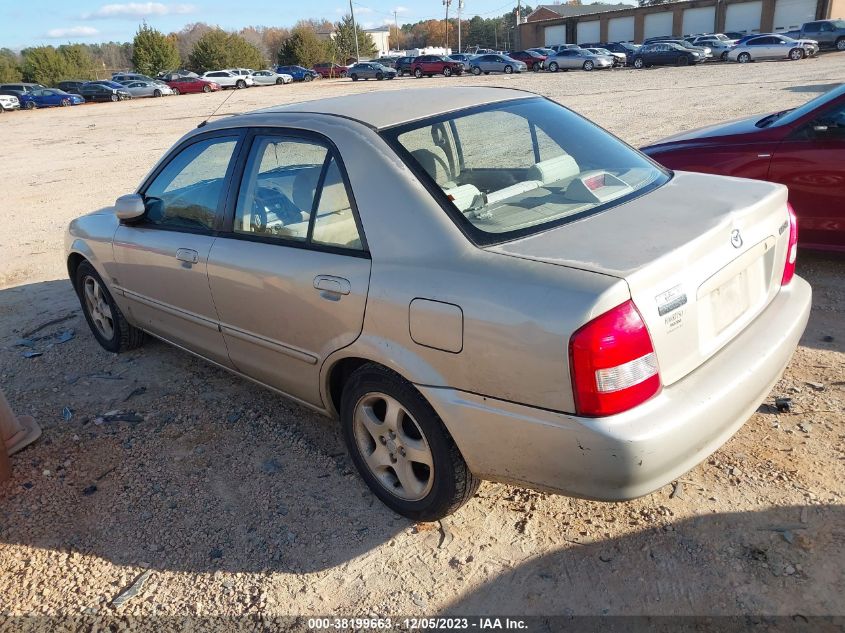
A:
(187, 255)
(330, 283)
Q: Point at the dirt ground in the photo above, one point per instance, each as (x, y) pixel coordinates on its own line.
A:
(240, 503)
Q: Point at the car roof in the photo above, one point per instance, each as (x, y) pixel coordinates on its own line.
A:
(387, 108)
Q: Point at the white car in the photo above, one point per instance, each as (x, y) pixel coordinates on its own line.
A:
(9, 102)
(229, 79)
(719, 44)
(147, 88)
(270, 77)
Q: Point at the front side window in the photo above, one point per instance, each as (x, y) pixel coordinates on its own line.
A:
(187, 192)
(544, 166)
(293, 190)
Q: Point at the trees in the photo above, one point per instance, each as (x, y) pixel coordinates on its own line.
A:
(80, 63)
(153, 52)
(44, 65)
(218, 49)
(10, 68)
(344, 41)
(304, 48)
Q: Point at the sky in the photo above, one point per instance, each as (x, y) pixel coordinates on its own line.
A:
(35, 22)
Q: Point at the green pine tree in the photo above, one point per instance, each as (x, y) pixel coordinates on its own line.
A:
(153, 52)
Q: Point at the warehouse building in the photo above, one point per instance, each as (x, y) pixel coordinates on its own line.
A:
(558, 24)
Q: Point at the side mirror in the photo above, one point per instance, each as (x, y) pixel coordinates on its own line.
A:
(129, 207)
(820, 127)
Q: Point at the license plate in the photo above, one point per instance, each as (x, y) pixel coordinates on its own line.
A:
(729, 301)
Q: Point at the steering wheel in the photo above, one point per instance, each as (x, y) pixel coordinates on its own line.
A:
(268, 200)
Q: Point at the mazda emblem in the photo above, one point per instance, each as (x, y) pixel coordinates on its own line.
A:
(736, 238)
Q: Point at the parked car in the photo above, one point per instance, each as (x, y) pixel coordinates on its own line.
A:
(772, 46)
(104, 91)
(800, 148)
(430, 65)
(718, 43)
(228, 79)
(243, 72)
(577, 58)
(561, 47)
(22, 87)
(124, 77)
(327, 70)
(705, 51)
(389, 61)
(532, 59)
(370, 70)
(563, 323)
(464, 58)
(270, 78)
(147, 88)
(618, 58)
(9, 102)
(828, 33)
(177, 74)
(51, 97)
(72, 86)
(666, 54)
(23, 98)
(495, 63)
(187, 85)
(404, 65)
(298, 73)
(734, 35)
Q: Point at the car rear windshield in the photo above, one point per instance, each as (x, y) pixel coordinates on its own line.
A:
(519, 167)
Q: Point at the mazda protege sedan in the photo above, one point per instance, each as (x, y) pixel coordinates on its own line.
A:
(477, 282)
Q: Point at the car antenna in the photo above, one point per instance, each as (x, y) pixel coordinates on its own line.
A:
(222, 103)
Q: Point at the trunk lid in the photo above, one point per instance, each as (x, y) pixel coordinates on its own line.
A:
(702, 257)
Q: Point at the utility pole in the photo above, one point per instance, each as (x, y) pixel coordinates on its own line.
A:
(354, 33)
(460, 8)
(396, 28)
(446, 3)
(517, 35)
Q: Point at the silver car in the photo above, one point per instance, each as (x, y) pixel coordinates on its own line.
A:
(270, 78)
(147, 88)
(542, 305)
(496, 63)
(619, 59)
(772, 46)
(578, 58)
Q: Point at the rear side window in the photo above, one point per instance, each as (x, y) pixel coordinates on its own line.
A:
(545, 166)
(186, 193)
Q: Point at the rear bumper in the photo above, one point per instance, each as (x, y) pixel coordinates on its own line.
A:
(633, 453)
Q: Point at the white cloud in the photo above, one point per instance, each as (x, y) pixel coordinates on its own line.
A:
(73, 31)
(134, 10)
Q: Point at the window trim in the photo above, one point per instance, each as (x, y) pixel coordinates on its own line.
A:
(233, 133)
(483, 239)
(226, 229)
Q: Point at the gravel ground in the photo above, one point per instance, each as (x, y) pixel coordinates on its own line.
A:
(226, 500)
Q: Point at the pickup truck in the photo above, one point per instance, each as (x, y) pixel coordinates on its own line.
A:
(828, 33)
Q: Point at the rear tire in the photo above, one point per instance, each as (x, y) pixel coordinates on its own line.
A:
(99, 309)
(588, 65)
(377, 444)
(840, 44)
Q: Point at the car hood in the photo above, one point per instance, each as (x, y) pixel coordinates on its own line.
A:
(737, 126)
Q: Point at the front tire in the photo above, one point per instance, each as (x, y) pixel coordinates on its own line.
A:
(308, 78)
(354, 77)
(536, 67)
(743, 58)
(401, 447)
(683, 61)
(157, 93)
(476, 71)
(447, 72)
(508, 70)
(639, 63)
(796, 53)
(241, 84)
(176, 92)
(724, 56)
(115, 98)
(111, 329)
(379, 76)
(418, 73)
(553, 67)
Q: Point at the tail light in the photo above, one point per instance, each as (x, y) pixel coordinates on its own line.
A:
(792, 249)
(612, 363)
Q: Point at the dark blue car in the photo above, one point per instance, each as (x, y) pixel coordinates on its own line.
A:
(45, 98)
(298, 72)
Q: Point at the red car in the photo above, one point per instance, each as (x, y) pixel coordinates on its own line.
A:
(429, 65)
(327, 70)
(186, 85)
(535, 61)
(803, 148)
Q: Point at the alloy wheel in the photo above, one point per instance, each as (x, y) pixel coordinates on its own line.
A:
(508, 70)
(98, 308)
(553, 67)
(393, 446)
